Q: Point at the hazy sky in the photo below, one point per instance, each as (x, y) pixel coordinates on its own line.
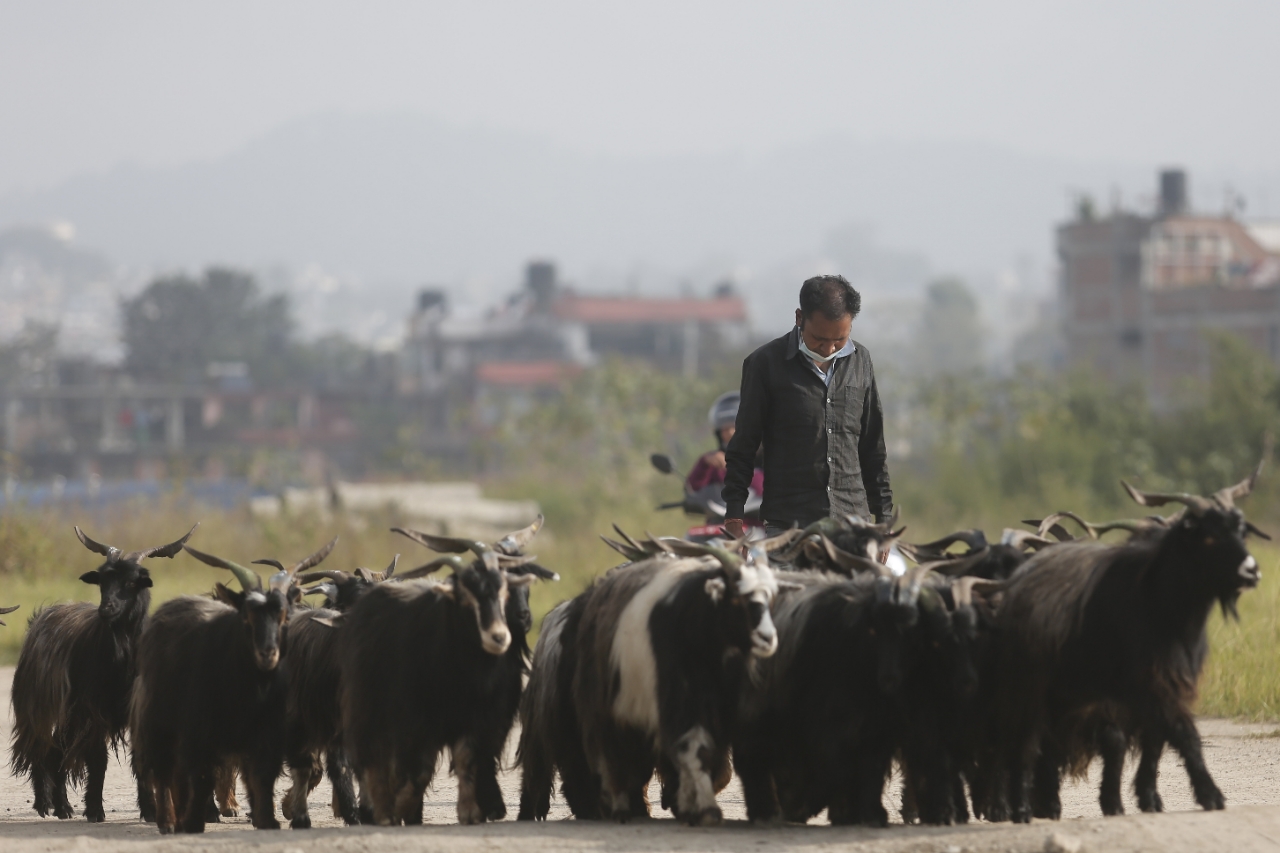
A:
(89, 85)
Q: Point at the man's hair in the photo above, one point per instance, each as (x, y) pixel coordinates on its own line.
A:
(830, 294)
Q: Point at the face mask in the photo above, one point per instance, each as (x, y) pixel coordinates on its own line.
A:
(821, 359)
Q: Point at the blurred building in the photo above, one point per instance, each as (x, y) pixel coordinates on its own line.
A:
(546, 332)
(1139, 292)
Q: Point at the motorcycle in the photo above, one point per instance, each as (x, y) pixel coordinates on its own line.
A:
(706, 502)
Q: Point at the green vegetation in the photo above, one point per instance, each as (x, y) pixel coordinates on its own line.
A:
(982, 452)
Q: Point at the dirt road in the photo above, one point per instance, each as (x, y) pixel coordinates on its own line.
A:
(1245, 760)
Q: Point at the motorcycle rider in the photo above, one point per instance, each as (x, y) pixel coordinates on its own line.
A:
(710, 468)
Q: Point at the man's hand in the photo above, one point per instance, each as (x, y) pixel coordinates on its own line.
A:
(884, 557)
(715, 459)
(733, 527)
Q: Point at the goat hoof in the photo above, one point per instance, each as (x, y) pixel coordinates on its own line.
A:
(95, 815)
(301, 822)
(470, 817)
(711, 816)
(65, 813)
(1211, 800)
(1153, 803)
(166, 830)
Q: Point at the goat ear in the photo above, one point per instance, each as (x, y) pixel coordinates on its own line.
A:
(519, 580)
(716, 589)
(226, 595)
(91, 577)
(144, 581)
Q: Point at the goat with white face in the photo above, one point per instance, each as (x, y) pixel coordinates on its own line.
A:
(430, 664)
(660, 652)
(210, 694)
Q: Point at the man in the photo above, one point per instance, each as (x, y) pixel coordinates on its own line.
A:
(810, 396)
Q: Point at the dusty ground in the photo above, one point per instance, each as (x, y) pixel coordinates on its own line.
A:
(1245, 761)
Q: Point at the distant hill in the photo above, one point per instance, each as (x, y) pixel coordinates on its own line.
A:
(399, 200)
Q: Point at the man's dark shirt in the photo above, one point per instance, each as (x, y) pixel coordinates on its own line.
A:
(823, 446)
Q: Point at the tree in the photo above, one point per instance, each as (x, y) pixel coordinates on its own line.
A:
(950, 335)
(178, 326)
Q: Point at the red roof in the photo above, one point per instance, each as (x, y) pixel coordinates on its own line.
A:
(632, 309)
(519, 374)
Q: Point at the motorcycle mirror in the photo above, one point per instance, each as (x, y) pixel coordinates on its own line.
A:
(663, 463)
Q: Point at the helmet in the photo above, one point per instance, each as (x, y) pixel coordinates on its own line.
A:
(724, 411)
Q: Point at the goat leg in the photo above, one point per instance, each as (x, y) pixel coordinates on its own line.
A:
(224, 778)
(465, 768)
(488, 792)
(165, 812)
(42, 787)
(62, 808)
(752, 765)
(294, 802)
(260, 779)
(1144, 782)
(146, 801)
(1113, 745)
(376, 787)
(694, 756)
(96, 765)
(1046, 801)
(344, 792)
(1185, 738)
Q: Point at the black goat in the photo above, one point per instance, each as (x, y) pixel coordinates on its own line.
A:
(211, 692)
(550, 738)
(869, 666)
(73, 680)
(661, 647)
(1100, 639)
(313, 739)
(432, 664)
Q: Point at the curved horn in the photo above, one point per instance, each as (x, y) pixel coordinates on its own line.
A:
(248, 579)
(111, 553)
(1253, 528)
(171, 550)
(391, 569)
(1049, 522)
(626, 538)
(852, 562)
(506, 562)
(729, 561)
(1195, 503)
(907, 586)
(1228, 496)
(4, 610)
(338, 577)
(275, 564)
(632, 554)
(962, 589)
(515, 542)
(535, 570)
(957, 566)
(782, 540)
(315, 559)
(974, 538)
(1131, 525)
(451, 560)
(1021, 539)
(444, 544)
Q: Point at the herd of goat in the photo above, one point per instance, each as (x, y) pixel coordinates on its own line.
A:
(799, 662)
